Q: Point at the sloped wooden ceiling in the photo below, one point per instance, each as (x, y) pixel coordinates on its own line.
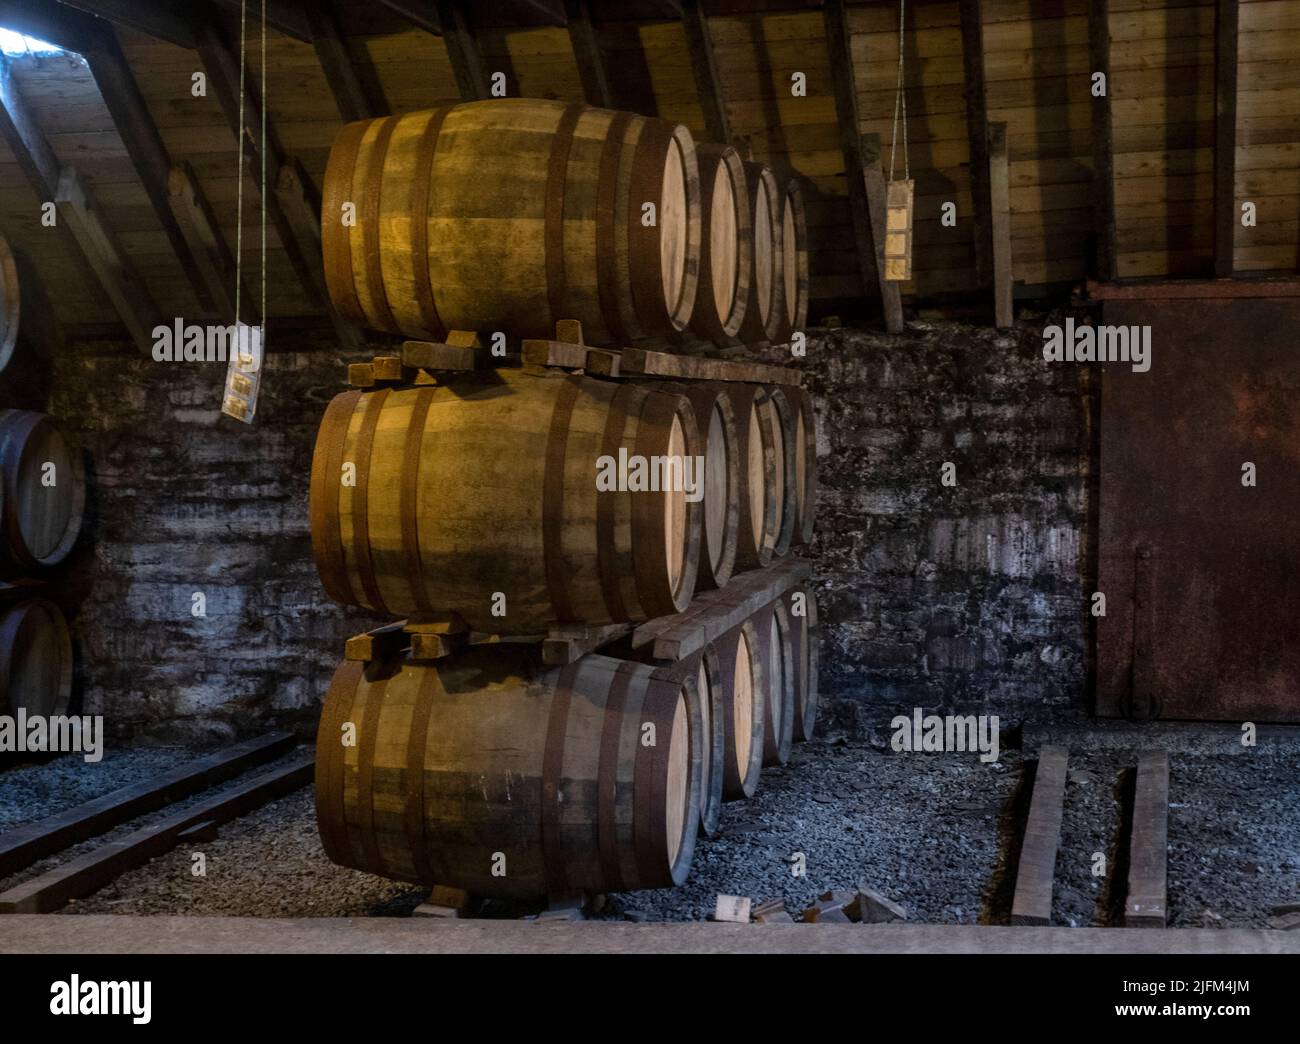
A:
(1037, 69)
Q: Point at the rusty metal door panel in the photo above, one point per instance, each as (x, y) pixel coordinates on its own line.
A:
(1202, 574)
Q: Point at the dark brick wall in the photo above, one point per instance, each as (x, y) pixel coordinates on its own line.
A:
(184, 500)
(969, 596)
(929, 596)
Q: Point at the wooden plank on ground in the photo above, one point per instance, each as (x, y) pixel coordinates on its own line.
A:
(94, 869)
(714, 613)
(643, 362)
(1149, 843)
(1032, 904)
(25, 844)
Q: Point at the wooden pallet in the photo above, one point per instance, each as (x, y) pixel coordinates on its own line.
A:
(672, 638)
(569, 352)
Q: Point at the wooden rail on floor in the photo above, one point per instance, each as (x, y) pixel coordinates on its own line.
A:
(94, 869)
(1032, 904)
(23, 845)
(1149, 843)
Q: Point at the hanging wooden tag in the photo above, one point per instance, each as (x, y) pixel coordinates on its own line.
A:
(898, 230)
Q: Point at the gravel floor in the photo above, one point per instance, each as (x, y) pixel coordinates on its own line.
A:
(934, 832)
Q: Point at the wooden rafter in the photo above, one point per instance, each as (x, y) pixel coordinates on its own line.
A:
(869, 242)
(420, 14)
(873, 180)
(1225, 135)
(463, 51)
(699, 42)
(999, 176)
(75, 212)
(355, 100)
(149, 155)
(588, 55)
(145, 16)
(1103, 149)
(94, 39)
(285, 16)
(977, 127)
(290, 206)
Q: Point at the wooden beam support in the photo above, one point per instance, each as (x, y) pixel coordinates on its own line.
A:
(153, 164)
(1000, 226)
(552, 13)
(699, 43)
(588, 55)
(150, 17)
(1103, 149)
(463, 51)
(977, 127)
(286, 16)
(116, 275)
(1032, 904)
(211, 252)
(1149, 844)
(873, 179)
(714, 613)
(23, 845)
(291, 205)
(354, 99)
(870, 247)
(54, 183)
(1225, 135)
(420, 14)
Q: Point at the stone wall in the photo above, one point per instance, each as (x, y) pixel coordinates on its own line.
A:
(965, 596)
(930, 596)
(182, 501)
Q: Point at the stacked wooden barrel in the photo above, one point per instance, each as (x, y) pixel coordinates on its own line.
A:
(497, 510)
(42, 495)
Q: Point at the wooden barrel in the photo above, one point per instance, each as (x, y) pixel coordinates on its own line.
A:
(805, 463)
(744, 684)
(489, 772)
(702, 671)
(481, 496)
(801, 605)
(772, 625)
(756, 528)
(35, 659)
(764, 317)
(781, 413)
(509, 214)
(10, 304)
(794, 258)
(44, 491)
(720, 509)
(727, 247)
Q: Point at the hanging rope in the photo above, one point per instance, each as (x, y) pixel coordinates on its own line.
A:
(239, 192)
(900, 103)
(239, 195)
